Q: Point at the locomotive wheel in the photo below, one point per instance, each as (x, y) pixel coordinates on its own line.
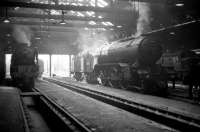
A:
(116, 84)
(104, 82)
(151, 86)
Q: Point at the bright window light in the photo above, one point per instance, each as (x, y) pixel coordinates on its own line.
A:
(100, 3)
(80, 14)
(6, 20)
(90, 13)
(104, 23)
(92, 23)
(100, 17)
(75, 4)
(86, 28)
(179, 4)
(60, 65)
(54, 12)
(45, 58)
(109, 23)
(8, 61)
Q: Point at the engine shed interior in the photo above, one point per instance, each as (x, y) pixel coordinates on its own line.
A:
(39, 22)
(151, 46)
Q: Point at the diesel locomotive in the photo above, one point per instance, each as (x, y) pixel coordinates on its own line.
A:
(128, 63)
(24, 67)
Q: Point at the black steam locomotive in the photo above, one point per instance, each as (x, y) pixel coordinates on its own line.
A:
(24, 67)
(128, 63)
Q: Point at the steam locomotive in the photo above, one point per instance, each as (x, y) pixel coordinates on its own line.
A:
(128, 63)
(24, 67)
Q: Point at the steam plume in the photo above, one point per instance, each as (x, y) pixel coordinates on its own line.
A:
(22, 34)
(89, 43)
(143, 22)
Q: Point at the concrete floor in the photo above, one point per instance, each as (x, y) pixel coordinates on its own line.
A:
(99, 116)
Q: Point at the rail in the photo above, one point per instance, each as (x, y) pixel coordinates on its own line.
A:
(175, 120)
(66, 119)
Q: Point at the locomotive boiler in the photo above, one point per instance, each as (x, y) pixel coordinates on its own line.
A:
(146, 51)
(130, 63)
(24, 67)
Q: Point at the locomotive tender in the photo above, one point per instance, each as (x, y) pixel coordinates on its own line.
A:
(126, 63)
(24, 67)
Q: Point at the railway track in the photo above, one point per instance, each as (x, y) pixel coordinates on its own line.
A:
(182, 95)
(62, 119)
(172, 119)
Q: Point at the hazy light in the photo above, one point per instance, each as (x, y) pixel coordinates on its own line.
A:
(172, 33)
(86, 28)
(102, 29)
(37, 38)
(8, 61)
(8, 35)
(80, 4)
(100, 17)
(109, 23)
(72, 12)
(179, 4)
(16, 8)
(6, 20)
(46, 60)
(74, 4)
(100, 3)
(55, 12)
(92, 23)
(62, 22)
(60, 67)
(197, 52)
(90, 13)
(80, 14)
(119, 26)
(104, 23)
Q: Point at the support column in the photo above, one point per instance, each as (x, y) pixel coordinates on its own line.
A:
(50, 74)
(2, 66)
(70, 66)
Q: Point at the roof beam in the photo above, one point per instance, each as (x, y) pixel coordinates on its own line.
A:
(56, 17)
(63, 7)
(57, 24)
(76, 18)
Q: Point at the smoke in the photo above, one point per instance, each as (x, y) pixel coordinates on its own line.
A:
(88, 42)
(143, 21)
(22, 34)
